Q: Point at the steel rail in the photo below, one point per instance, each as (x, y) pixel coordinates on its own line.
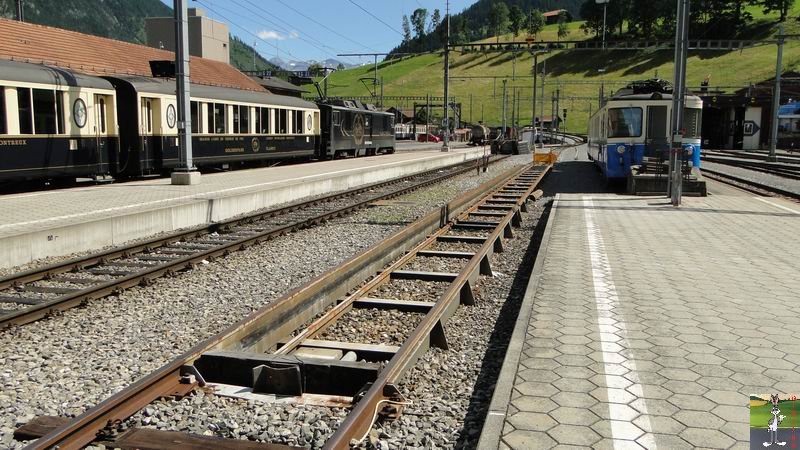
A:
(785, 170)
(360, 420)
(64, 302)
(260, 330)
(747, 185)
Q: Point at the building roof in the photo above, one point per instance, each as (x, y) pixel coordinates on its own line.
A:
(278, 84)
(94, 55)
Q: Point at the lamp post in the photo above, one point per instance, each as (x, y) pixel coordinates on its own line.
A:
(678, 102)
(605, 7)
(446, 140)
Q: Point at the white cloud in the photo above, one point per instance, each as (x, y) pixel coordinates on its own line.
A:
(269, 35)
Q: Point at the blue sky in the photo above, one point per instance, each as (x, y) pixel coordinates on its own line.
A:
(279, 30)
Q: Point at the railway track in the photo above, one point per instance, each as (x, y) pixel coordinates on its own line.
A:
(785, 170)
(31, 295)
(748, 185)
(288, 348)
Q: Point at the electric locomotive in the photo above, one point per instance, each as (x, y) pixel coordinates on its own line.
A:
(635, 123)
(352, 128)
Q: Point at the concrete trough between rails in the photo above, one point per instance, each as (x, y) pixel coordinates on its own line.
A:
(63, 222)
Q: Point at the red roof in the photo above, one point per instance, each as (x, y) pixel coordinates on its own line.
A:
(94, 55)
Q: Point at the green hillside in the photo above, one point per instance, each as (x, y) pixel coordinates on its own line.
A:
(578, 74)
(115, 19)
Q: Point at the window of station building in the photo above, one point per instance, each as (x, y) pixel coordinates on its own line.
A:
(3, 126)
(195, 117)
(283, 121)
(624, 122)
(25, 111)
(692, 122)
(244, 119)
(220, 118)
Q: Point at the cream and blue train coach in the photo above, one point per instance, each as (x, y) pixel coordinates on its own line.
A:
(633, 125)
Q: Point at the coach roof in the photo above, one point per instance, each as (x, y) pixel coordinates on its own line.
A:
(36, 73)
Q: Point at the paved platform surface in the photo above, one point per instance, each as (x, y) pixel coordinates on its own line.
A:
(646, 326)
(61, 222)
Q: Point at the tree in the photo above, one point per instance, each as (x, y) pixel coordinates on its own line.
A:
(418, 19)
(498, 18)
(536, 22)
(781, 6)
(436, 19)
(340, 66)
(406, 30)
(563, 30)
(315, 68)
(517, 17)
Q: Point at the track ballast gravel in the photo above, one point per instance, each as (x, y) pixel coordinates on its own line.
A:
(65, 364)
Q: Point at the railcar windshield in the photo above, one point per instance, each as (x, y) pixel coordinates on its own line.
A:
(624, 122)
(692, 122)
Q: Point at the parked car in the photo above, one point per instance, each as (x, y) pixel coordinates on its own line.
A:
(428, 137)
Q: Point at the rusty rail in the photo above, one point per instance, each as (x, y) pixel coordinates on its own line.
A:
(431, 330)
(259, 331)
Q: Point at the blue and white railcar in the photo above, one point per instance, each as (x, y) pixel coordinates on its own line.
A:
(631, 126)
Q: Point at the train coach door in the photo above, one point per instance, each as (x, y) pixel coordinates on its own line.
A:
(101, 127)
(146, 133)
(657, 142)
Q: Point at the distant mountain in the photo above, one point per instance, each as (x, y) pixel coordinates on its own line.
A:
(295, 65)
(116, 19)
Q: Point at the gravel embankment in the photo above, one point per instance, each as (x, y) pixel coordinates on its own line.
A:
(786, 184)
(68, 363)
(450, 389)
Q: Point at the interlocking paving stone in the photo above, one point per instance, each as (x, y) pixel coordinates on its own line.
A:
(695, 326)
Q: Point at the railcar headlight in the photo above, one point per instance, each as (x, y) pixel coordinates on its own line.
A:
(621, 149)
(689, 150)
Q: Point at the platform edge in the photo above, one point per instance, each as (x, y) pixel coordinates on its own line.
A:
(492, 431)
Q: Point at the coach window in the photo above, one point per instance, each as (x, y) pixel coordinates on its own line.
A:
(337, 118)
(283, 121)
(101, 113)
(297, 122)
(3, 126)
(147, 115)
(220, 118)
(624, 122)
(244, 119)
(25, 111)
(265, 118)
(235, 119)
(195, 117)
(44, 111)
(60, 112)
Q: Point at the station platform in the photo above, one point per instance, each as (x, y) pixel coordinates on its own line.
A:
(61, 222)
(648, 326)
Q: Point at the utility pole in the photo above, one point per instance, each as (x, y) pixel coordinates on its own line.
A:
(446, 142)
(185, 173)
(678, 102)
(776, 99)
(544, 76)
(20, 13)
(504, 106)
(255, 44)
